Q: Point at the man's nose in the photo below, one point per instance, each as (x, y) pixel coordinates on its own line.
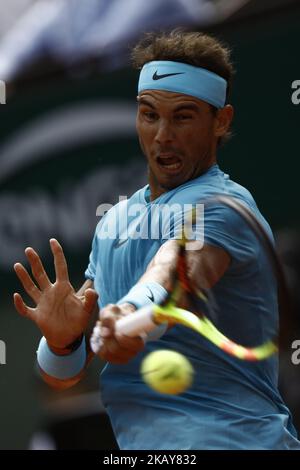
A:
(165, 132)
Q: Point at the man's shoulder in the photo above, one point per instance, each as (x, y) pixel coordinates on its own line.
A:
(125, 201)
(213, 182)
(210, 185)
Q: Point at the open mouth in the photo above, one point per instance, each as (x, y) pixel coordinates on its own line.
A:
(169, 162)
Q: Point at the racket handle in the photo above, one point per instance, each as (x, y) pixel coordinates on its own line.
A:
(136, 324)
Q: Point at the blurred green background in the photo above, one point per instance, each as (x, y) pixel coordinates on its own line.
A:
(262, 156)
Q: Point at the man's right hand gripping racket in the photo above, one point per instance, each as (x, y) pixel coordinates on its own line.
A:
(148, 318)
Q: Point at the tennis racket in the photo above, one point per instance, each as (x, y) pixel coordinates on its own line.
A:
(148, 318)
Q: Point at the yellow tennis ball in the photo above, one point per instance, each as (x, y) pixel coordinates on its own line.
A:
(167, 371)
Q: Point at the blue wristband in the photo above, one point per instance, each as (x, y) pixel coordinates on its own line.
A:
(141, 295)
(61, 367)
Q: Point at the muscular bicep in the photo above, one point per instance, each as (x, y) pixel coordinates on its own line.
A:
(205, 266)
(162, 265)
(208, 265)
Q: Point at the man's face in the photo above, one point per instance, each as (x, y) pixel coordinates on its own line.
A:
(177, 135)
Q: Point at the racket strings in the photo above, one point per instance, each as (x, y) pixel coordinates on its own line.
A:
(184, 284)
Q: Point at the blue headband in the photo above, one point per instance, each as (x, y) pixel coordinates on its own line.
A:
(183, 78)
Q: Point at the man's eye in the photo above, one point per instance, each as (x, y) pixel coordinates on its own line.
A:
(149, 115)
(183, 117)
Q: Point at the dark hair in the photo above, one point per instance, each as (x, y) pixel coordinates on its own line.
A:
(194, 48)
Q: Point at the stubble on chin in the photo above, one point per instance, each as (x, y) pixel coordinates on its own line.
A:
(163, 186)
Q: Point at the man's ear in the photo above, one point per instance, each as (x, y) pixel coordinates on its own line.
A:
(223, 120)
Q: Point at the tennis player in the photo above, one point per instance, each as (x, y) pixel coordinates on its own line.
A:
(183, 116)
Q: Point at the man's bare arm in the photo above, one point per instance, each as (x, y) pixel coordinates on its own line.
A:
(61, 314)
(206, 267)
(59, 384)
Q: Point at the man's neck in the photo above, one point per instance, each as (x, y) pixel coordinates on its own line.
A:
(157, 190)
